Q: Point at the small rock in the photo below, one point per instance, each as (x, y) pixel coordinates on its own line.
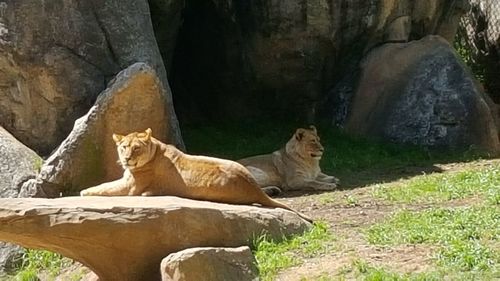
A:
(210, 264)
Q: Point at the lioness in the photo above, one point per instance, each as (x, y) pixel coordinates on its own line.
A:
(294, 167)
(154, 168)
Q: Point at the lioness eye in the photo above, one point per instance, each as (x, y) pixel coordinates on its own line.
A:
(135, 148)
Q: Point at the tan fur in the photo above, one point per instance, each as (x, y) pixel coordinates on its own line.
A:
(294, 167)
(154, 168)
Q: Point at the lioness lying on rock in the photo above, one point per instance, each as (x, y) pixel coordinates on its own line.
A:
(294, 167)
(154, 168)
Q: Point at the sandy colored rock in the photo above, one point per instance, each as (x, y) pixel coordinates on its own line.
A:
(210, 264)
(125, 238)
(57, 56)
(134, 101)
(421, 93)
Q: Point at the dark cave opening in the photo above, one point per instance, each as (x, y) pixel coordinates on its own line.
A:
(219, 72)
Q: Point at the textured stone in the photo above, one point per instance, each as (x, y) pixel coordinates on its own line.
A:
(134, 101)
(18, 163)
(239, 57)
(421, 93)
(56, 56)
(210, 264)
(480, 31)
(125, 238)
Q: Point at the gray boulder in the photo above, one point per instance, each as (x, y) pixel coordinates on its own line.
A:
(134, 101)
(422, 93)
(18, 163)
(56, 56)
(210, 264)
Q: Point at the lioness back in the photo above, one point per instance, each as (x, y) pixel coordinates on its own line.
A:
(154, 168)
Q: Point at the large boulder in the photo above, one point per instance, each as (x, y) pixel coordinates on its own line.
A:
(56, 56)
(210, 264)
(421, 93)
(239, 57)
(133, 101)
(126, 238)
(18, 163)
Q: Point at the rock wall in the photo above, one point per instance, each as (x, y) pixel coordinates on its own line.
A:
(428, 98)
(56, 56)
(236, 58)
(479, 35)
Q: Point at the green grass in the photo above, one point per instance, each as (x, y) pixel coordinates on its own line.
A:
(35, 261)
(272, 256)
(343, 153)
(366, 272)
(467, 238)
(440, 187)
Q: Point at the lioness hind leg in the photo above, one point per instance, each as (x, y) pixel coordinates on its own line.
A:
(271, 190)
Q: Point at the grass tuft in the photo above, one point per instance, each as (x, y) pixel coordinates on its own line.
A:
(35, 261)
(273, 256)
(464, 235)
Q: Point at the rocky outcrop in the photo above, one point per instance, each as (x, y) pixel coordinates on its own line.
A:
(421, 93)
(134, 101)
(126, 238)
(210, 264)
(238, 57)
(18, 163)
(479, 40)
(56, 56)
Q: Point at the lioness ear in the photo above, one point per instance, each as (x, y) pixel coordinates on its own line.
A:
(299, 134)
(313, 128)
(148, 132)
(117, 138)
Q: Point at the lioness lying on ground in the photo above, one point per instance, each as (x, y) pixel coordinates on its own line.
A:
(154, 168)
(294, 167)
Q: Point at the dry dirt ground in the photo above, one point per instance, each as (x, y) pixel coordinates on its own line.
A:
(353, 208)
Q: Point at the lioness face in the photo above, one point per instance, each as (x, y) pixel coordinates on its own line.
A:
(309, 143)
(134, 149)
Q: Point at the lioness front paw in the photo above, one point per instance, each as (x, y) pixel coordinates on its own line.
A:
(335, 180)
(84, 193)
(328, 186)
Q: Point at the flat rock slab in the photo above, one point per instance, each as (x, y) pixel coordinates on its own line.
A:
(125, 238)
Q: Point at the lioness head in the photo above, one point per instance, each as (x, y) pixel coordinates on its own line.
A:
(134, 149)
(306, 143)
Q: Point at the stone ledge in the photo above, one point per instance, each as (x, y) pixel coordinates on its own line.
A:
(125, 238)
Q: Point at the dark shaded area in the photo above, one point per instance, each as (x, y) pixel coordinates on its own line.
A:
(205, 66)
